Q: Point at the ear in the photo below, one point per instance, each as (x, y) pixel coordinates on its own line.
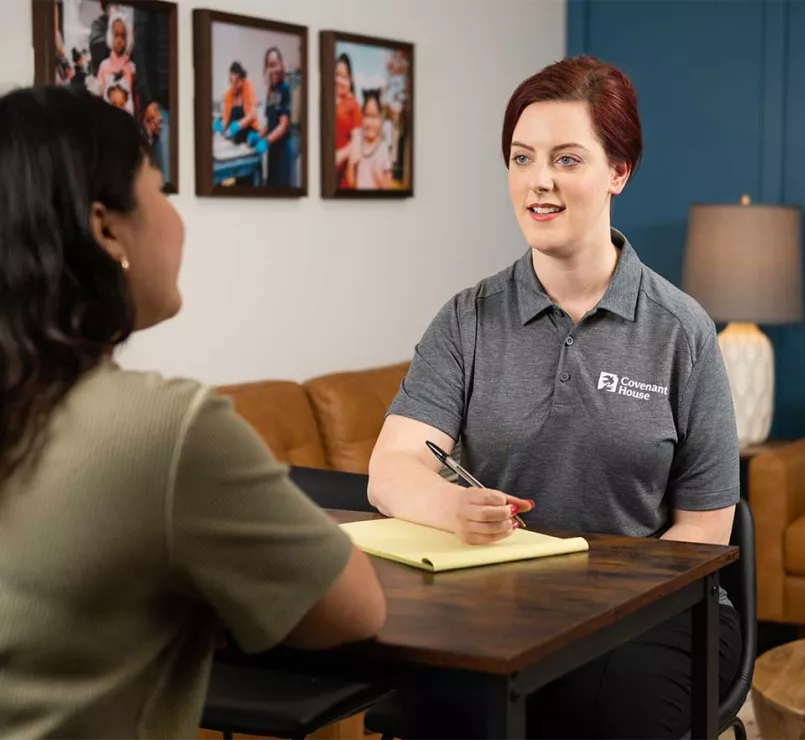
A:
(619, 176)
(105, 230)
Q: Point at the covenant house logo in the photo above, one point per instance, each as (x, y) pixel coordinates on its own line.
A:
(625, 386)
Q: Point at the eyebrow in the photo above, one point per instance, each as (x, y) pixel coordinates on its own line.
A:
(568, 145)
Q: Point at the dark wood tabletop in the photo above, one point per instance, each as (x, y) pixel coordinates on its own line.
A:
(498, 619)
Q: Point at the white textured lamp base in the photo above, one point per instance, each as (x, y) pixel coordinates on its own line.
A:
(749, 358)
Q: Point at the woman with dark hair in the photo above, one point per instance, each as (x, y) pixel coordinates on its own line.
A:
(589, 394)
(348, 119)
(139, 517)
(277, 129)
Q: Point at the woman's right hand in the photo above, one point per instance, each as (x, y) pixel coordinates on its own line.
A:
(484, 515)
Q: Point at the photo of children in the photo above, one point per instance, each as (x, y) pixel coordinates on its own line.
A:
(372, 117)
(120, 53)
(256, 107)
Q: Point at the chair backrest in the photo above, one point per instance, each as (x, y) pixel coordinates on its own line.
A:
(740, 581)
(334, 489)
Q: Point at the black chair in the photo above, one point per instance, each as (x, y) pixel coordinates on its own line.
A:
(245, 699)
(333, 489)
(255, 701)
(740, 581)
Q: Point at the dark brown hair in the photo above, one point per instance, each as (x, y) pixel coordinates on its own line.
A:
(609, 93)
(65, 299)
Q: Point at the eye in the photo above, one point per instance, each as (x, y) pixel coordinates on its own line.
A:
(519, 159)
(567, 161)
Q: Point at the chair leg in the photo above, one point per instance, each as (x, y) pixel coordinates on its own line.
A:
(227, 735)
(739, 729)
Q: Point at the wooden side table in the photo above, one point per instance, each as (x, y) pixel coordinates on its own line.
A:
(778, 692)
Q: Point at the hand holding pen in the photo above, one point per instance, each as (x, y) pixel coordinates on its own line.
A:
(484, 515)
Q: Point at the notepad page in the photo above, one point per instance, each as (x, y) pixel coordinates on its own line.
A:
(437, 550)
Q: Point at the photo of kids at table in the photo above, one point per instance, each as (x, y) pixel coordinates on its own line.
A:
(256, 96)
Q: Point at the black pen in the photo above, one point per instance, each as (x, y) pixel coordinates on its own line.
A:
(445, 459)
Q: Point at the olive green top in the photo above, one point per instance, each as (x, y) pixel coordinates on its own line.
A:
(154, 518)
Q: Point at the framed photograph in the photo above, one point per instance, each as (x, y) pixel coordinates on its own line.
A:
(251, 106)
(367, 116)
(123, 52)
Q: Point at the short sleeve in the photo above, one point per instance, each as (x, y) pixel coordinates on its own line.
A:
(433, 389)
(705, 472)
(383, 161)
(242, 537)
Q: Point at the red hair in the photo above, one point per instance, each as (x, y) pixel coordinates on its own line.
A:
(608, 92)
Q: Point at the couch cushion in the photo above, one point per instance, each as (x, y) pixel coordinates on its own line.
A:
(795, 548)
(350, 408)
(280, 412)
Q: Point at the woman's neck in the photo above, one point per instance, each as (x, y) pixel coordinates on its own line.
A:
(578, 280)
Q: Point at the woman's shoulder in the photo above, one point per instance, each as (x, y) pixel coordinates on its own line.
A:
(465, 305)
(137, 398)
(486, 288)
(695, 322)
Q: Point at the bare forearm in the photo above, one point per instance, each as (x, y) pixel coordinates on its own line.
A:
(402, 487)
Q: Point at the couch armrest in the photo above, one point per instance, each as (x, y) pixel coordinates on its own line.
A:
(777, 499)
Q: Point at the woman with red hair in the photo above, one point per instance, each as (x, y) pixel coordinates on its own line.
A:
(588, 394)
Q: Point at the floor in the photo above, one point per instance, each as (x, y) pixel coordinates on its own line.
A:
(747, 714)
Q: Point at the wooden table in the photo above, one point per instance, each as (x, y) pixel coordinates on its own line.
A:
(501, 632)
(778, 691)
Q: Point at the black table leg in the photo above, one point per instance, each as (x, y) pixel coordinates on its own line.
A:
(704, 715)
(505, 708)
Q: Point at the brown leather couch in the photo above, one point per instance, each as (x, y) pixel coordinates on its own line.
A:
(777, 499)
(328, 422)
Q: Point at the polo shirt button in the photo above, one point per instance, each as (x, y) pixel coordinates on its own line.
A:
(564, 377)
(569, 341)
(560, 312)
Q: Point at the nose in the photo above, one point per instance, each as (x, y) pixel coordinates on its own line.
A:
(542, 178)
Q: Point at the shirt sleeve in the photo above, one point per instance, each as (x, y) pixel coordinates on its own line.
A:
(242, 537)
(705, 473)
(383, 161)
(433, 389)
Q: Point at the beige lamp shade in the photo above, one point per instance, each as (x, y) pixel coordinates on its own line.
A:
(743, 263)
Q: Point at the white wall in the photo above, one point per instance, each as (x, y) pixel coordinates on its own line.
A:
(297, 288)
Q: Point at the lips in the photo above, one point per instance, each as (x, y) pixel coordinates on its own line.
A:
(545, 209)
(544, 212)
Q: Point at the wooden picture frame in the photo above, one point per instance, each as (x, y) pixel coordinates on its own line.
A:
(351, 166)
(150, 93)
(271, 59)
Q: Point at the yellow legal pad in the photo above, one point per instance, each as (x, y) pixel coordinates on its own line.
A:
(434, 550)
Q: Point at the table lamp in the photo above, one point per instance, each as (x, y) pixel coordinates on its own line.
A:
(743, 264)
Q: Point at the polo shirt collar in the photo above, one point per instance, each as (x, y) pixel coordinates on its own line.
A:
(620, 297)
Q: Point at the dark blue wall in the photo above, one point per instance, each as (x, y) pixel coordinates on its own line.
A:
(722, 99)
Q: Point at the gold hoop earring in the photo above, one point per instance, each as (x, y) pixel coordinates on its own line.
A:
(124, 264)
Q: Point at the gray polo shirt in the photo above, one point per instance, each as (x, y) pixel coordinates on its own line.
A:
(607, 424)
